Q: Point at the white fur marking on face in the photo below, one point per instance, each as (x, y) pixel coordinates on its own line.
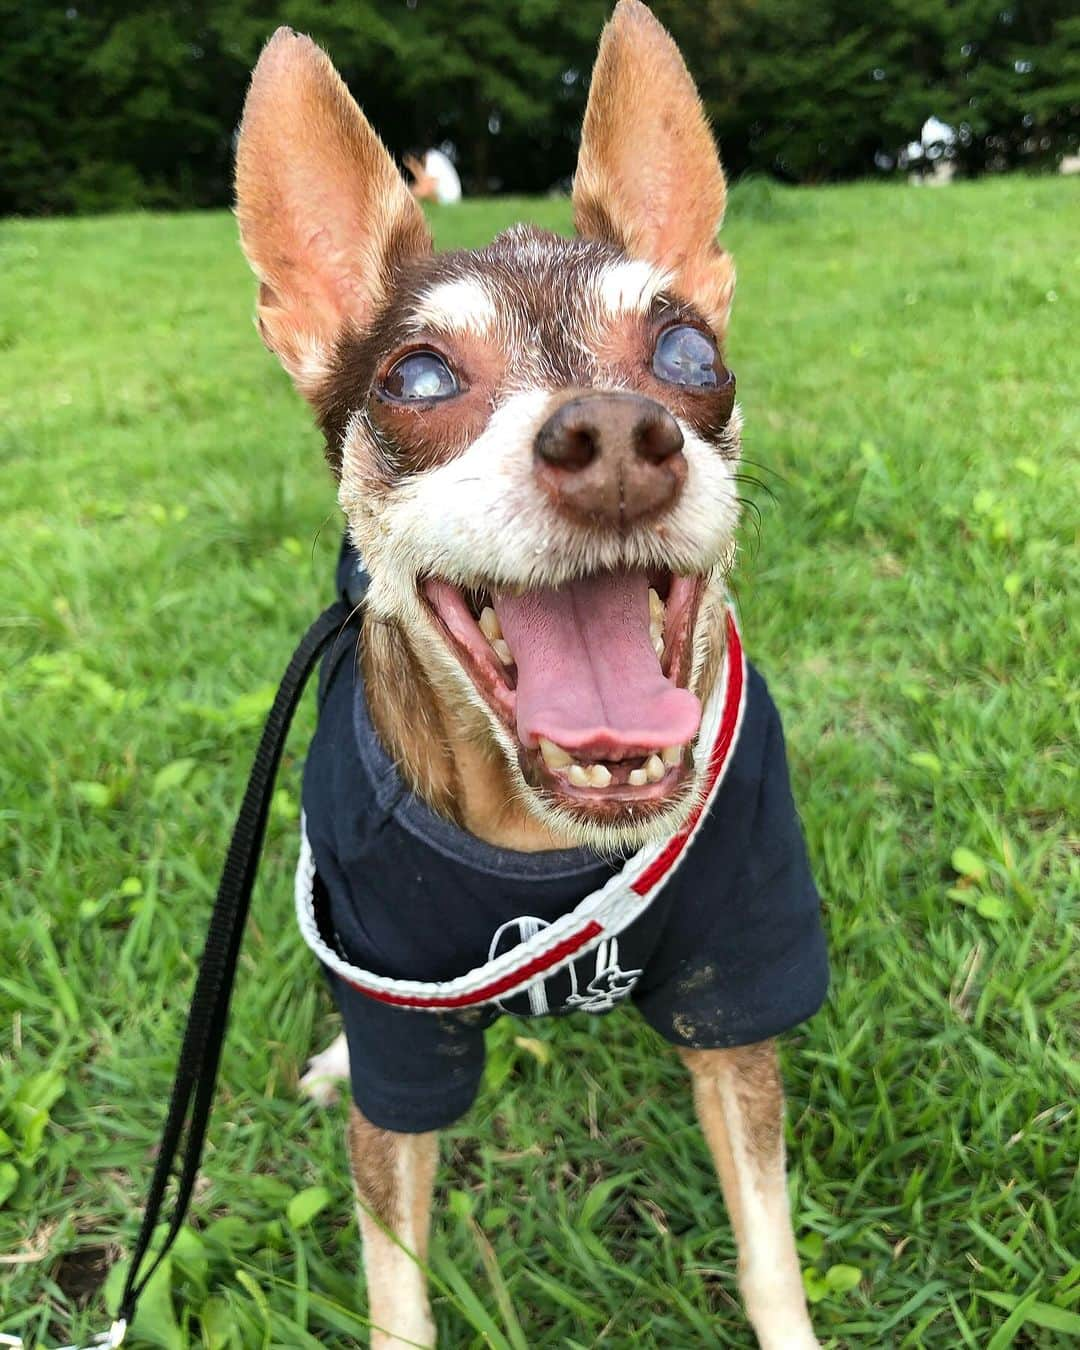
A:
(459, 306)
(309, 366)
(629, 286)
(483, 516)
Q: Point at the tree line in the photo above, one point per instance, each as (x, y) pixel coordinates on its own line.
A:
(105, 104)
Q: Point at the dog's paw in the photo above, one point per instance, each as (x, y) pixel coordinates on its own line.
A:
(417, 1334)
(325, 1072)
(797, 1337)
(421, 1339)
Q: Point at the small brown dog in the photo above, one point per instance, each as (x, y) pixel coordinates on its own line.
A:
(536, 446)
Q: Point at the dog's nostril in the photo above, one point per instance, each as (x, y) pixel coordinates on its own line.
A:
(658, 438)
(568, 446)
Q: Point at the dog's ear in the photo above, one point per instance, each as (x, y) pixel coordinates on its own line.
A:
(325, 217)
(649, 178)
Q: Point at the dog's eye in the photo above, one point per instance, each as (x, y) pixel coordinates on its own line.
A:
(684, 355)
(420, 376)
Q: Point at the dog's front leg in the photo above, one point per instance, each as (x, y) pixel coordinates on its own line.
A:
(394, 1174)
(740, 1104)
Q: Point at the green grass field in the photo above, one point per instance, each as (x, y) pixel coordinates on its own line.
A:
(168, 531)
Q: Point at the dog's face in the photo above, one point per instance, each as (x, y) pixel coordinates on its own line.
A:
(536, 442)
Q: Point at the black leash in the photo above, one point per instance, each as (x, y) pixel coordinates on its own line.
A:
(193, 1089)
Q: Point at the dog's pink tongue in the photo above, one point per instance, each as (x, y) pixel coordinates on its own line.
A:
(587, 676)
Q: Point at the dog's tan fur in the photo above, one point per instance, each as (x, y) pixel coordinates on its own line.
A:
(445, 758)
(393, 1175)
(646, 141)
(320, 242)
(347, 278)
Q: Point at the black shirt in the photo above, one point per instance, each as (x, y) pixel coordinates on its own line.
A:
(729, 952)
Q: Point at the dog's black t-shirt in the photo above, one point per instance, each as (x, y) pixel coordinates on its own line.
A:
(731, 951)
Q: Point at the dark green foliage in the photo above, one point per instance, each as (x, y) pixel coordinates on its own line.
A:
(104, 104)
(815, 91)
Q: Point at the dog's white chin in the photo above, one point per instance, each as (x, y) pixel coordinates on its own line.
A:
(612, 837)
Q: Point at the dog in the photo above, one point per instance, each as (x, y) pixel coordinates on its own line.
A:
(549, 781)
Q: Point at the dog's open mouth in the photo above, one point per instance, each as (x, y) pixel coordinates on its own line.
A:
(589, 677)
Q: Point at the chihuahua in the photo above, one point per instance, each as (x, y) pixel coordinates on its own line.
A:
(549, 781)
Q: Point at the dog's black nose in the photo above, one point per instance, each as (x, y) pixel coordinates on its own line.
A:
(611, 458)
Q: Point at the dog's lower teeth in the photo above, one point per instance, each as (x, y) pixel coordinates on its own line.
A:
(598, 775)
(489, 624)
(578, 776)
(637, 778)
(502, 651)
(654, 768)
(672, 755)
(555, 757)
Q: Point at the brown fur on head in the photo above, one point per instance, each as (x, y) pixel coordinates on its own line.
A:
(445, 495)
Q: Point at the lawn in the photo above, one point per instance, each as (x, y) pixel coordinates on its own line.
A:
(910, 591)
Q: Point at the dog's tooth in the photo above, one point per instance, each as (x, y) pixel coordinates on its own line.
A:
(656, 623)
(489, 624)
(577, 775)
(654, 768)
(502, 651)
(599, 775)
(637, 778)
(555, 757)
(672, 755)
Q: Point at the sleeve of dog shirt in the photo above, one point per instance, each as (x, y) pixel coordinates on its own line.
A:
(409, 1071)
(744, 955)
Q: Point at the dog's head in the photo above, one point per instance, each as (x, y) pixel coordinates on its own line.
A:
(536, 442)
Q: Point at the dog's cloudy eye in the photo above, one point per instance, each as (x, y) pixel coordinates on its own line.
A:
(419, 376)
(684, 355)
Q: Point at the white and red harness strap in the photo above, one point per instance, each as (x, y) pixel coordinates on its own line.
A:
(603, 914)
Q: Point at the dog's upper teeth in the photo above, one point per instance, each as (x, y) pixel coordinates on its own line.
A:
(637, 778)
(555, 757)
(489, 624)
(502, 651)
(654, 768)
(656, 622)
(672, 755)
(599, 775)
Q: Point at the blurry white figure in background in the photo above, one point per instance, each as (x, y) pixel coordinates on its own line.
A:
(434, 178)
(931, 157)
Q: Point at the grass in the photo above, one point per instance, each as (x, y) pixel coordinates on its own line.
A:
(168, 531)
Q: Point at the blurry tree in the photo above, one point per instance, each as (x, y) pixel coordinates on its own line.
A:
(1012, 81)
(835, 89)
(108, 103)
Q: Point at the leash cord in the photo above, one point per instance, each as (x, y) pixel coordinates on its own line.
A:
(196, 1073)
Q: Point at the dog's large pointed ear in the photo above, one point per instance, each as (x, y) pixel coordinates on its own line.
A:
(649, 177)
(325, 217)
